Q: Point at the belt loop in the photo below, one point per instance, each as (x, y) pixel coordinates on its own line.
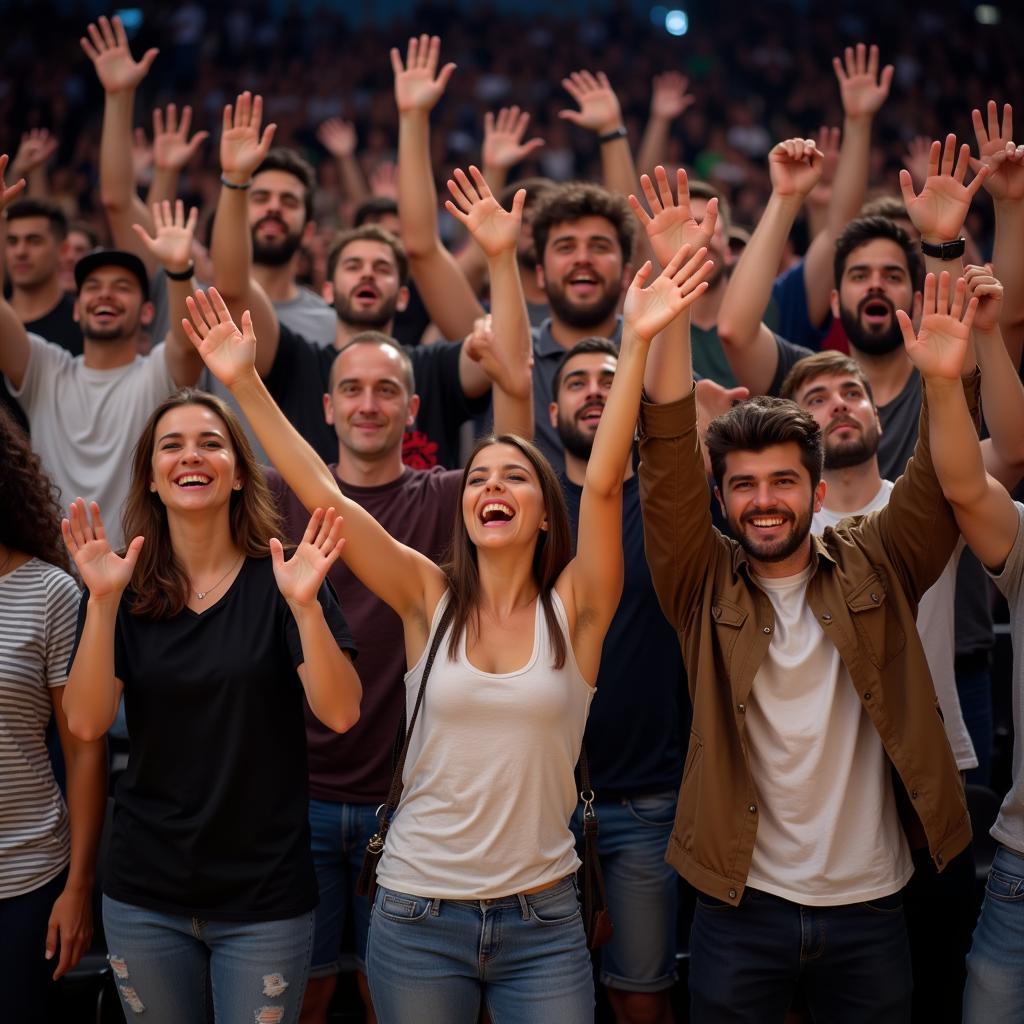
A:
(524, 907)
(435, 906)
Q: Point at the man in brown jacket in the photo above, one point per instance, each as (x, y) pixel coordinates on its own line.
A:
(817, 756)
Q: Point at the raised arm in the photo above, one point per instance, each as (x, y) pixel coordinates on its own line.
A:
(339, 138)
(917, 527)
(402, 578)
(243, 147)
(172, 150)
(750, 347)
(507, 360)
(1005, 184)
(984, 511)
(171, 248)
(120, 75)
(35, 151)
(446, 293)
(596, 571)
(669, 100)
(14, 344)
(863, 89)
(93, 692)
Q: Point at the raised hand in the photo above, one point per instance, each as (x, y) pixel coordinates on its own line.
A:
(795, 167)
(107, 48)
(996, 151)
(714, 400)
(242, 147)
(384, 180)
(862, 89)
(418, 84)
(648, 310)
(172, 245)
(503, 146)
(940, 209)
(828, 143)
(671, 224)
(172, 148)
(940, 345)
(300, 577)
(338, 137)
(104, 572)
(493, 228)
(983, 285)
(142, 156)
(669, 97)
(229, 353)
(8, 193)
(916, 158)
(599, 106)
(37, 146)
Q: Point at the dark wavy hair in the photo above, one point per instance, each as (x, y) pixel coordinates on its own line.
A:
(30, 513)
(550, 556)
(160, 584)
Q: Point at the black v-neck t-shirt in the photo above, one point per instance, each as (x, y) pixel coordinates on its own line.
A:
(211, 815)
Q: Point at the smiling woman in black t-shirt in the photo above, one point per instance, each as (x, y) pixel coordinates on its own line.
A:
(209, 871)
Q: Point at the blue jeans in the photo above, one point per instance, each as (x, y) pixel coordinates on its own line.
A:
(430, 960)
(995, 965)
(340, 833)
(643, 891)
(27, 974)
(852, 962)
(161, 962)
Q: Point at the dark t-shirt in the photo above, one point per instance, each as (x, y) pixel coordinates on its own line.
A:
(789, 355)
(418, 509)
(211, 817)
(641, 708)
(300, 377)
(59, 326)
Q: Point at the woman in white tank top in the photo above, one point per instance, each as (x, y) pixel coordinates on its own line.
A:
(477, 894)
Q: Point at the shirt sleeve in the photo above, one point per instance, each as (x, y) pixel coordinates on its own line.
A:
(1010, 578)
(789, 299)
(335, 623)
(45, 359)
(61, 618)
(155, 378)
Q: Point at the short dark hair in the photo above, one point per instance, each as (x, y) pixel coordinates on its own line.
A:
(760, 423)
(705, 190)
(536, 189)
(374, 209)
(384, 340)
(85, 228)
(866, 229)
(288, 160)
(373, 233)
(885, 205)
(31, 207)
(581, 348)
(578, 199)
(827, 363)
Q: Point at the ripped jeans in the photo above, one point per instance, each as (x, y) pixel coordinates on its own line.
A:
(161, 963)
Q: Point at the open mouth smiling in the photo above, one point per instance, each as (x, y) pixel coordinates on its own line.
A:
(496, 513)
(193, 480)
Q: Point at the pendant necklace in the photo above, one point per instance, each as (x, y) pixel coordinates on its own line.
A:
(201, 594)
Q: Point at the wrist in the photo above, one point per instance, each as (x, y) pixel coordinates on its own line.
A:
(236, 180)
(305, 613)
(940, 385)
(857, 121)
(105, 602)
(178, 271)
(611, 132)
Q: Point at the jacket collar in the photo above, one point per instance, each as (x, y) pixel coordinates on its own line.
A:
(819, 550)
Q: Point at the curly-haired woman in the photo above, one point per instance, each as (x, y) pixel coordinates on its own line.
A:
(47, 847)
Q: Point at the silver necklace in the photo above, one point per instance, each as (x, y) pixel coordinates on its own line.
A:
(201, 594)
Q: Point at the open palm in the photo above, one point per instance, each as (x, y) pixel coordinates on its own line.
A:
(172, 245)
(418, 84)
(300, 577)
(939, 347)
(862, 89)
(242, 146)
(649, 310)
(229, 353)
(103, 571)
(494, 228)
(939, 210)
(670, 225)
(107, 48)
(997, 152)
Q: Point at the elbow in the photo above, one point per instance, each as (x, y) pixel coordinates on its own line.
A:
(83, 729)
(341, 720)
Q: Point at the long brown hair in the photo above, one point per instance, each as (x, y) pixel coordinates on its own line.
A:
(550, 556)
(160, 583)
(29, 511)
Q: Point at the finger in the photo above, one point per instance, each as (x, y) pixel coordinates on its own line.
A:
(518, 202)
(571, 115)
(186, 121)
(120, 35)
(330, 517)
(948, 155)
(89, 50)
(1007, 132)
(979, 128)
(638, 210)
(190, 332)
(52, 936)
(461, 201)
(958, 297)
(396, 61)
(202, 313)
(664, 189)
(247, 331)
(276, 553)
(873, 63)
(885, 81)
(488, 123)
(934, 155)
(172, 118)
(981, 174)
(107, 31)
(650, 195)
(220, 307)
(179, 213)
(930, 287)
(480, 183)
(143, 235)
(193, 218)
(97, 521)
(313, 526)
(641, 276)
(675, 264)
(970, 313)
(907, 188)
(861, 57)
(906, 328)
(147, 59)
(683, 189)
(228, 120)
(268, 137)
(960, 172)
(132, 552)
(710, 221)
(993, 119)
(98, 42)
(257, 112)
(459, 215)
(837, 67)
(851, 64)
(168, 216)
(69, 541)
(158, 122)
(433, 52)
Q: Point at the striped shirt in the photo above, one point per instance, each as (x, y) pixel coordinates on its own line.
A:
(38, 610)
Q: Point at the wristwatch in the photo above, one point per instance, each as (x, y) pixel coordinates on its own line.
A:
(615, 133)
(945, 250)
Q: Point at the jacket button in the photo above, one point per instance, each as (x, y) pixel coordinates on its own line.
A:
(913, 794)
(874, 597)
(732, 894)
(938, 859)
(752, 808)
(716, 612)
(867, 695)
(766, 629)
(826, 617)
(741, 708)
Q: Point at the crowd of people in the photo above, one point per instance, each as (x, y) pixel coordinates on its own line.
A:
(429, 469)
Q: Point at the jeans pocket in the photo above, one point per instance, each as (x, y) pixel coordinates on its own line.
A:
(401, 907)
(558, 905)
(1005, 887)
(892, 904)
(710, 903)
(658, 811)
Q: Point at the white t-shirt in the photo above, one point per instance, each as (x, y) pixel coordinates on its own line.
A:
(38, 611)
(828, 831)
(936, 625)
(85, 422)
(489, 786)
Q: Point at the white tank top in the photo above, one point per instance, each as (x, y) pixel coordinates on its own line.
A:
(489, 786)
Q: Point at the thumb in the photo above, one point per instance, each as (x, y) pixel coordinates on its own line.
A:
(571, 115)
(247, 331)
(533, 144)
(131, 556)
(642, 275)
(196, 141)
(147, 59)
(276, 553)
(737, 394)
(907, 187)
(52, 934)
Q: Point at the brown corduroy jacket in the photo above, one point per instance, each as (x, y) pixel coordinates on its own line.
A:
(868, 576)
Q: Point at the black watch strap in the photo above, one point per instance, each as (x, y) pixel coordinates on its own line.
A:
(615, 133)
(945, 250)
(182, 275)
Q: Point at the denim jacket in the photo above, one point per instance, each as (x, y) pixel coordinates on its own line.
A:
(868, 575)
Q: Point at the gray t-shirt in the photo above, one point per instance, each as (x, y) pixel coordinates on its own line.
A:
(1009, 826)
(309, 316)
(85, 421)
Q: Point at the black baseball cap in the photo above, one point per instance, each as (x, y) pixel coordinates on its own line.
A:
(112, 258)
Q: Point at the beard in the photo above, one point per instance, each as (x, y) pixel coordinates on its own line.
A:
(274, 252)
(582, 317)
(369, 319)
(575, 441)
(855, 452)
(774, 550)
(870, 342)
(112, 332)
